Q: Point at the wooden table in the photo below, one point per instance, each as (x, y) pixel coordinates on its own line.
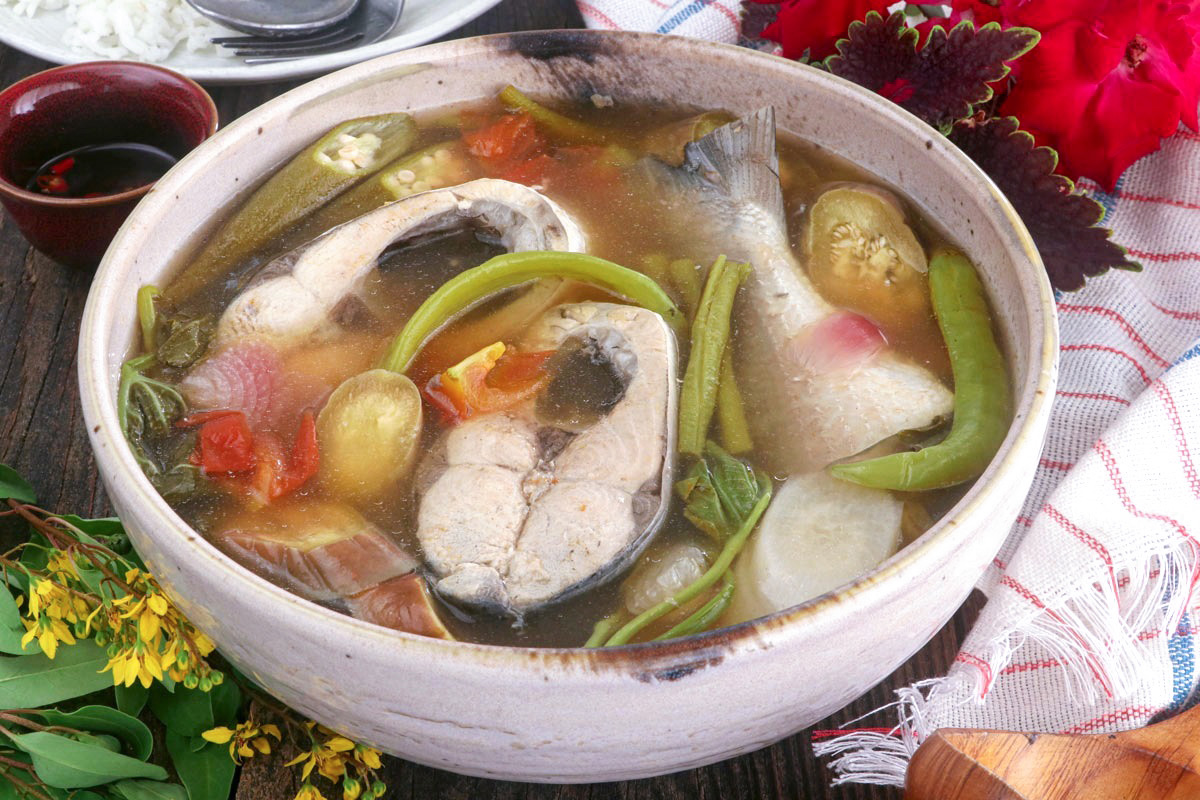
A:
(42, 435)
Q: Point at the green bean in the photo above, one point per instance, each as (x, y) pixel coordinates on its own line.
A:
(704, 616)
(316, 175)
(731, 411)
(512, 269)
(148, 316)
(570, 131)
(685, 278)
(733, 546)
(982, 407)
(710, 334)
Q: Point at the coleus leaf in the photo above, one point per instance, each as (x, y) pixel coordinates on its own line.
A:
(1063, 223)
(942, 82)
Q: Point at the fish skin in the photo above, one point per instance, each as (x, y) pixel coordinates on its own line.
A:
(510, 532)
(729, 185)
(294, 299)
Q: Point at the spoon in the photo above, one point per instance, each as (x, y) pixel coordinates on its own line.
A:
(273, 18)
(1159, 762)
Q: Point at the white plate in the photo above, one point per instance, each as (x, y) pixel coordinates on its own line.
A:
(421, 22)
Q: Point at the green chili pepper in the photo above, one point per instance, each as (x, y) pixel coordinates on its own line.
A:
(565, 129)
(512, 269)
(982, 406)
(710, 334)
(337, 161)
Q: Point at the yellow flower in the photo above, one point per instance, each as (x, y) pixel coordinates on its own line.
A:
(244, 739)
(309, 792)
(369, 756)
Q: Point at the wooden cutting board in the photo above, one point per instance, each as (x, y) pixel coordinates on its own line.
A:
(1159, 762)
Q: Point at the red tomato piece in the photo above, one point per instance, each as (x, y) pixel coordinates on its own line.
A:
(226, 444)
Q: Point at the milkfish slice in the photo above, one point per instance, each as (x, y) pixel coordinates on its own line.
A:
(518, 511)
(300, 297)
(329, 553)
(823, 385)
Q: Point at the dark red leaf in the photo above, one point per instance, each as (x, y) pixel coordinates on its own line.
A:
(942, 82)
(1064, 224)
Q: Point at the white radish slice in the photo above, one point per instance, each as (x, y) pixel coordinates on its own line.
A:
(818, 534)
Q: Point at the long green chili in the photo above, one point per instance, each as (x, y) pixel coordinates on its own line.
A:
(710, 334)
(704, 616)
(731, 411)
(512, 269)
(148, 316)
(733, 546)
(982, 406)
(570, 131)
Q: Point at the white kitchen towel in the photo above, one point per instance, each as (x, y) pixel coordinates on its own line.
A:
(1093, 608)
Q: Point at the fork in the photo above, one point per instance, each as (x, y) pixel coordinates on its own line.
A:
(370, 22)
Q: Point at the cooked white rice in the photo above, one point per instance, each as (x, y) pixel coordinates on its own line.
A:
(146, 30)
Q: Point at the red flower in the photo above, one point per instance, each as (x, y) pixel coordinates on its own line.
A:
(816, 25)
(1109, 79)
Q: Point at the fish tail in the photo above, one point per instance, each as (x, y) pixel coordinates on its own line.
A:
(740, 160)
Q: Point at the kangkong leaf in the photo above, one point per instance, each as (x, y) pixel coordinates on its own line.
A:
(1064, 224)
(719, 492)
(14, 487)
(942, 82)
(105, 719)
(206, 770)
(69, 764)
(33, 681)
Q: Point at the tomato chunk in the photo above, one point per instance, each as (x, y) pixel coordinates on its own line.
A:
(225, 444)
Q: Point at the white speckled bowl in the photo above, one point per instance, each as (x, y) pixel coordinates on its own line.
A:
(580, 715)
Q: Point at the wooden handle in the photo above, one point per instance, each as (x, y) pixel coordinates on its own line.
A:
(1160, 762)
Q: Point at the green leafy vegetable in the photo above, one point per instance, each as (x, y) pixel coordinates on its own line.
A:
(1064, 224)
(720, 495)
(205, 768)
(67, 763)
(14, 487)
(944, 81)
(35, 680)
(710, 335)
(132, 732)
(149, 790)
(148, 316)
(186, 342)
(144, 405)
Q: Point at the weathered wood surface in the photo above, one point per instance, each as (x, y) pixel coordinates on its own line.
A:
(42, 435)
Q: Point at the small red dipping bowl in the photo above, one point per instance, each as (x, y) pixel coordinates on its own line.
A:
(93, 103)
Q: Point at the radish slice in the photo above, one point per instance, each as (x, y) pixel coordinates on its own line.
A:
(818, 534)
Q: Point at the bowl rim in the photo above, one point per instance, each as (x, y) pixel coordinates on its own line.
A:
(107, 67)
(1032, 405)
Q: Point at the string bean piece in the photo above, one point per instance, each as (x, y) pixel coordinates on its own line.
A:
(685, 277)
(982, 407)
(710, 334)
(731, 411)
(560, 127)
(148, 317)
(512, 269)
(334, 163)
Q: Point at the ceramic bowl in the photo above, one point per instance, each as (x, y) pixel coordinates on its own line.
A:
(571, 714)
(98, 102)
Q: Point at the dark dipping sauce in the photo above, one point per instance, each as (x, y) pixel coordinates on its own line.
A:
(96, 170)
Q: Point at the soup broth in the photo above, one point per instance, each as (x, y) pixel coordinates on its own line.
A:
(630, 216)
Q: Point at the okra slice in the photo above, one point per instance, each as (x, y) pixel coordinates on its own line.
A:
(434, 167)
(336, 162)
